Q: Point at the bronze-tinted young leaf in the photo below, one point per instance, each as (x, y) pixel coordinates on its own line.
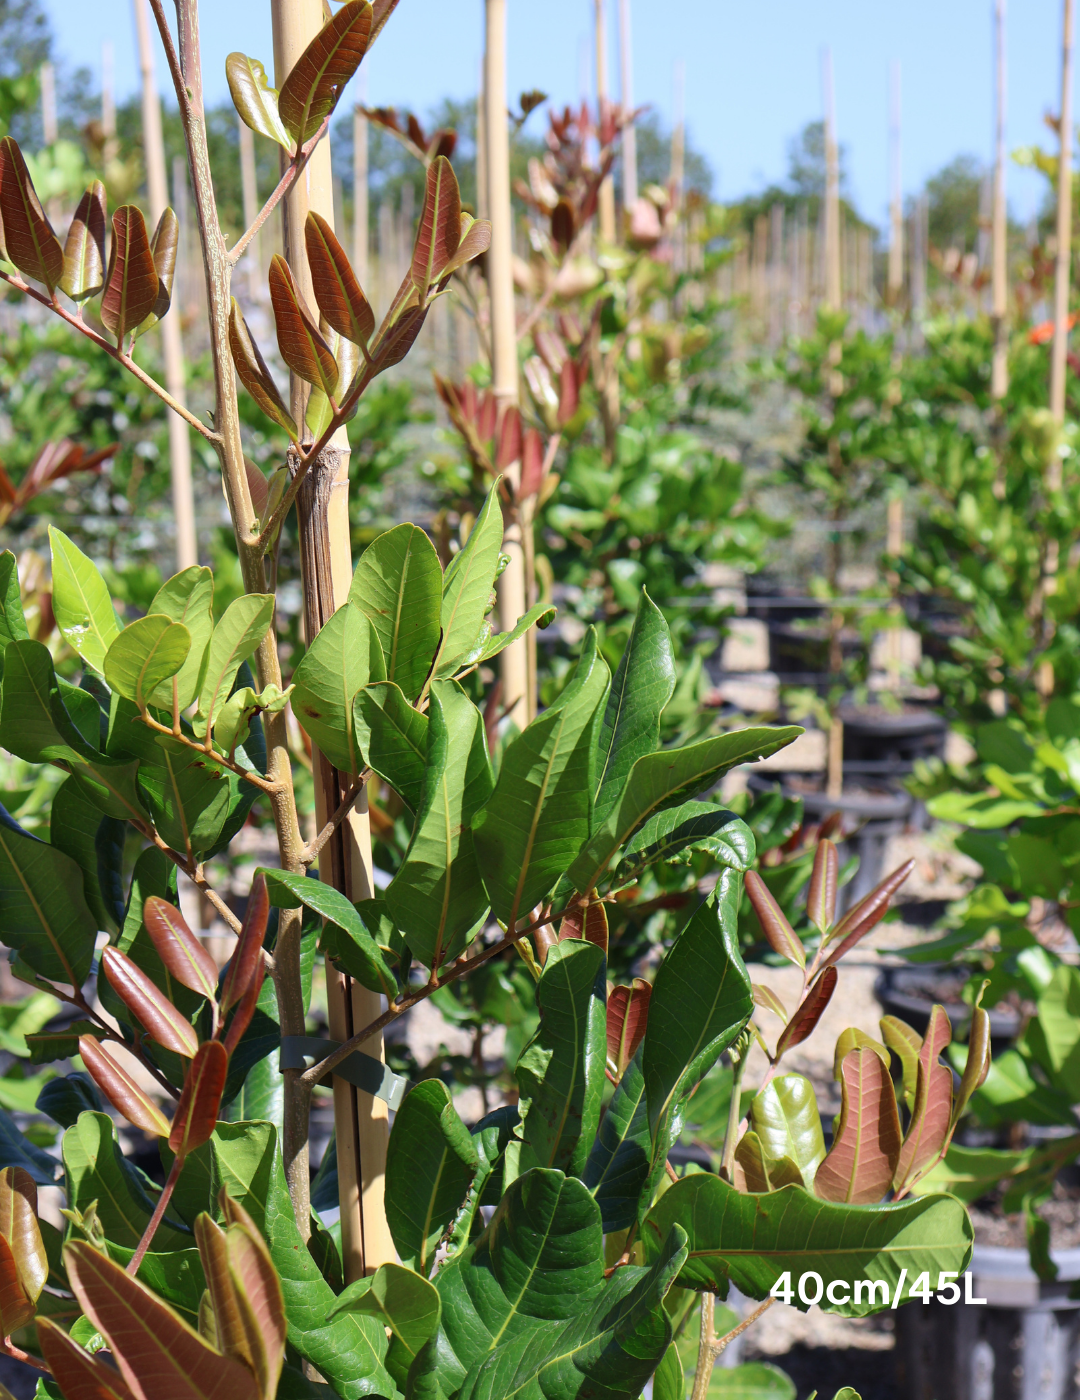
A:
(254, 98)
(17, 1309)
(246, 1008)
(181, 953)
(394, 341)
(31, 243)
(821, 892)
(439, 231)
(855, 1039)
(341, 298)
(767, 999)
(381, 12)
(905, 1043)
(19, 1227)
(781, 937)
(809, 1012)
(587, 921)
(254, 374)
(249, 945)
(120, 1089)
(234, 1323)
(79, 1375)
(868, 913)
(84, 251)
(311, 91)
(132, 283)
(197, 1111)
(627, 1018)
(931, 1114)
(860, 1164)
(475, 240)
(299, 339)
(158, 1354)
(163, 246)
(153, 1009)
(977, 1066)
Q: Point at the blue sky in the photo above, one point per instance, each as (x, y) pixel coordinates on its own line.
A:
(752, 71)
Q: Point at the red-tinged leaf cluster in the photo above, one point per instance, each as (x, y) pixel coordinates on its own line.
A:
(627, 1020)
(586, 921)
(54, 462)
(860, 1165)
(23, 1265)
(423, 145)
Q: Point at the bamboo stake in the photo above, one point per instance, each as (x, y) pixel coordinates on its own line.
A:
(183, 495)
(360, 195)
(999, 373)
(606, 204)
(250, 193)
(517, 695)
(678, 137)
(626, 92)
(48, 103)
(896, 211)
(1059, 349)
(833, 297)
(360, 1121)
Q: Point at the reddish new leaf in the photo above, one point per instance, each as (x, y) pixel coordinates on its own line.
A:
(821, 892)
(19, 1227)
(809, 1012)
(181, 953)
(475, 239)
(163, 246)
(439, 232)
(868, 913)
(779, 934)
(197, 1111)
(246, 1008)
(588, 921)
(16, 1306)
(381, 12)
(532, 464)
(84, 251)
(254, 374)
(396, 338)
(120, 1089)
(132, 283)
(311, 91)
(859, 1166)
(249, 945)
(31, 243)
(153, 1009)
(627, 1016)
(767, 999)
(569, 392)
(508, 446)
(977, 1066)
(159, 1355)
(79, 1375)
(340, 297)
(299, 339)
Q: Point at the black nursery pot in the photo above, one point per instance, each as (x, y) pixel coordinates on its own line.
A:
(909, 993)
(885, 745)
(1022, 1344)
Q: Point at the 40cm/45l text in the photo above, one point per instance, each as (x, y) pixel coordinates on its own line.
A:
(812, 1289)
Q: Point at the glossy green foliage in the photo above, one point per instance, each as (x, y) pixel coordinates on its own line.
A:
(430, 1164)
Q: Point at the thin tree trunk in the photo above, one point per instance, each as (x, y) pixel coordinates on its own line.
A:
(514, 668)
(626, 92)
(360, 1121)
(183, 495)
(606, 205)
(896, 211)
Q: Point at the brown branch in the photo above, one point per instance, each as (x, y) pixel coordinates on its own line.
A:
(284, 185)
(198, 879)
(172, 58)
(159, 1211)
(207, 751)
(8, 1347)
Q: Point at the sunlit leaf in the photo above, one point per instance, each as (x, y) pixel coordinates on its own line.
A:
(300, 341)
(31, 243)
(254, 98)
(131, 283)
(84, 250)
(254, 374)
(315, 83)
(860, 1165)
(340, 297)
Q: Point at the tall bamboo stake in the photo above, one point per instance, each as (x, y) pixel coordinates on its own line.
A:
(360, 1121)
(183, 495)
(999, 373)
(896, 210)
(678, 135)
(1059, 349)
(249, 190)
(48, 103)
(517, 694)
(626, 93)
(606, 205)
(360, 194)
(833, 296)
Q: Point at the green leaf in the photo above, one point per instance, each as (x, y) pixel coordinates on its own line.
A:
(16, 1150)
(540, 616)
(43, 910)
(667, 778)
(84, 611)
(466, 590)
(365, 960)
(430, 1163)
(437, 896)
(188, 598)
(1059, 1021)
(491, 1137)
(254, 98)
(349, 1349)
(96, 1170)
(398, 587)
(561, 1071)
(1010, 1093)
(242, 627)
(64, 1099)
(35, 722)
(972, 1172)
(789, 1230)
(12, 621)
(177, 1276)
(620, 1164)
(145, 655)
(785, 1117)
(392, 738)
(190, 798)
(18, 1019)
(538, 815)
(753, 1380)
(673, 834)
(644, 683)
(701, 1000)
(669, 1383)
(345, 656)
(402, 1301)
(74, 827)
